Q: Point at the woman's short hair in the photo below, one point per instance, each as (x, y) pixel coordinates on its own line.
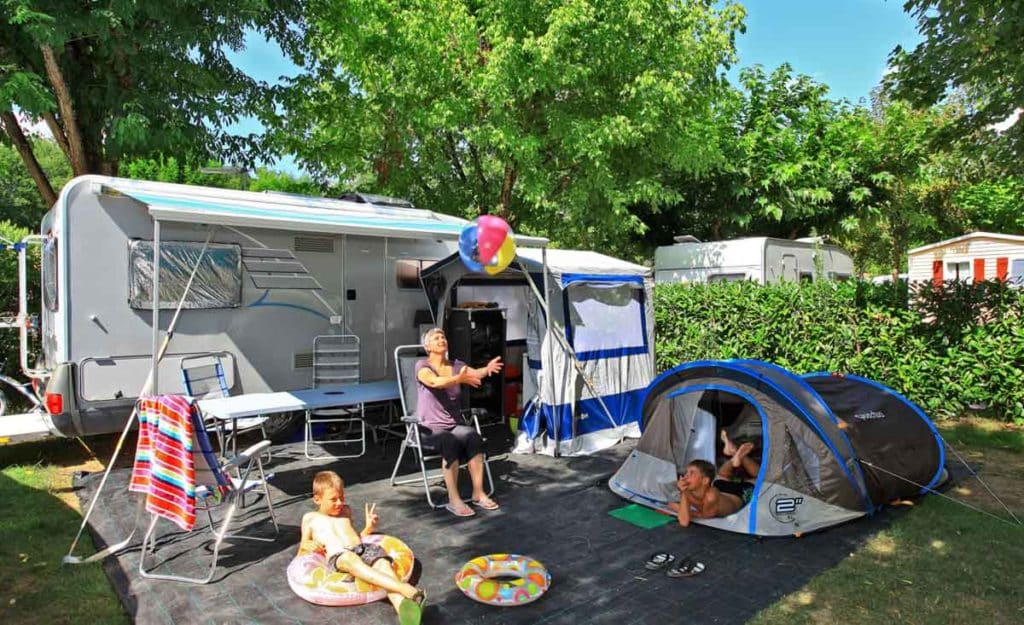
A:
(429, 334)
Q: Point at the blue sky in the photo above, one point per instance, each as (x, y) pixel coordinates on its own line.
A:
(841, 43)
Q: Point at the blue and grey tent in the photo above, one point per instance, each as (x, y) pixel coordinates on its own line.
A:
(831, 447)
(587, 370)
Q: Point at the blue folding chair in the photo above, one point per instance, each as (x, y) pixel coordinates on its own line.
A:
(215, 487)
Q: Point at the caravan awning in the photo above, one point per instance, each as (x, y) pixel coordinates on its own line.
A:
(299, 214)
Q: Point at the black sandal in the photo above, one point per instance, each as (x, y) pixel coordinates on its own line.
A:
(687, 568)
(659, 560)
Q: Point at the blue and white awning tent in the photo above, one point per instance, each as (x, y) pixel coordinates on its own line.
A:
(589, 369)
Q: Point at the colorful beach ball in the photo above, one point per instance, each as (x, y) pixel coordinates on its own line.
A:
(487, 245)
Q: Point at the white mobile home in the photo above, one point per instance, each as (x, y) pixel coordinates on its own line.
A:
(761, 259)
(277, 270)
(975, 256)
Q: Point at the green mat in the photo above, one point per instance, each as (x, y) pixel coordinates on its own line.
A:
(641, 516)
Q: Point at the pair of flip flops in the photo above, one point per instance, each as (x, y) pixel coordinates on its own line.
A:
(687, 568)
(488, 504)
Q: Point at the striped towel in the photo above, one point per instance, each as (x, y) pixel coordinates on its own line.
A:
(164, 467)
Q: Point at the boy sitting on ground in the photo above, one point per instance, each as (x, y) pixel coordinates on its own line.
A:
(703, 495)
(329, 530)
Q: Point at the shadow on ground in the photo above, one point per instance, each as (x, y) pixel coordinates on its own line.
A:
(553, 509)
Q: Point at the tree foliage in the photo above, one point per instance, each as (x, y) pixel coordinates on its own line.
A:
(20, 202)
(974, 45)
(557, 115)
(118, 80)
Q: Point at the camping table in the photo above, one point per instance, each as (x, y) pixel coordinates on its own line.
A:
(335, 396)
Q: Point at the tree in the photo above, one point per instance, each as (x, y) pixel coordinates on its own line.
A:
(789, 165)
(558, 116)
(974, 45)
(20, 202)
(118, 80)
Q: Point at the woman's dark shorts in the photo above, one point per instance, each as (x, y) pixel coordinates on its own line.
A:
(461, 443)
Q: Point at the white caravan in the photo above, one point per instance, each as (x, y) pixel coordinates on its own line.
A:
(761, 259)
(277, 271)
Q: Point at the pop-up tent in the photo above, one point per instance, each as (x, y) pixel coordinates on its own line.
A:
(590, 366)
(831, 448)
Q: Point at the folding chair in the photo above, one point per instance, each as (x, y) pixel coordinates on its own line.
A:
(406, 357)
(336, 361)
(203, 377)
(214, 488)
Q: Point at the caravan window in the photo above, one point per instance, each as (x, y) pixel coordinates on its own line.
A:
(50, 274)
(218, 281)
(727, 277)
(605, 319)
(407, 272)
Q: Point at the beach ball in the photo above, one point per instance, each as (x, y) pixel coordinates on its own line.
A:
(487, 245)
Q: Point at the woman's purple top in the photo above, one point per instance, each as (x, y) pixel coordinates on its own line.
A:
(437, 407)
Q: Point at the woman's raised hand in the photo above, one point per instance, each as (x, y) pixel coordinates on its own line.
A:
(494, 366)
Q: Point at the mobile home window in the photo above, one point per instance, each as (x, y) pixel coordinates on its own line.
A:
(218, 281)
(50, 274)
(605, 318)
(1017, 271)
(960, 270)
(407, 272)
(806, 276)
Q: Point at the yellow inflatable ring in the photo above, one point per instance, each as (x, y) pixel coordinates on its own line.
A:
(475, 579)
(310, 579)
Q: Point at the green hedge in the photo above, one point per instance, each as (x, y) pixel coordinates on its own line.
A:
(953, 350)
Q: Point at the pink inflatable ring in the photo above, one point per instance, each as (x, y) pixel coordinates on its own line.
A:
(531, 579)
(310, 579)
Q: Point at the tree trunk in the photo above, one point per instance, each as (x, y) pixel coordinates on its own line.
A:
(58, 134)
(14, 132)
(79, 162)
(507, 185)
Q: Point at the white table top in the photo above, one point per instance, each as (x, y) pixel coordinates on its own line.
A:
(252, 404)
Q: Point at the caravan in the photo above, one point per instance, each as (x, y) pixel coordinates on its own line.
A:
(761, 259)
(272, 271)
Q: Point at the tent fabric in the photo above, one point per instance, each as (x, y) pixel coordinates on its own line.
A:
(602, 309)
(286, 212)
(820, 437)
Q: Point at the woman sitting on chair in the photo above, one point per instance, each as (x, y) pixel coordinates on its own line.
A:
(439, 385)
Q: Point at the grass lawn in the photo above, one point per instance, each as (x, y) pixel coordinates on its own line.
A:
(939, 563)
(39, 520)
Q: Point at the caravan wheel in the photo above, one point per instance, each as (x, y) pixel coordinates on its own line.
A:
(282, 427)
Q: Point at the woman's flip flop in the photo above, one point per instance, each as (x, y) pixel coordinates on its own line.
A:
(450, 508)
(659, 560)
(687, 568)
(489, 504)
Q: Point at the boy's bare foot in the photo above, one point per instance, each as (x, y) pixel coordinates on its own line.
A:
(729, 448)
(741, 453)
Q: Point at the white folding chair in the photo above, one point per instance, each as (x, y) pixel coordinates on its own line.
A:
(215, 487)
(336, 361)
(406, 357)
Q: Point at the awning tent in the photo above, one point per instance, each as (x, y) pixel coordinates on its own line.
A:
(590, 367)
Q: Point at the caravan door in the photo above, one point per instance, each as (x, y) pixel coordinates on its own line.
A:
(364, 305)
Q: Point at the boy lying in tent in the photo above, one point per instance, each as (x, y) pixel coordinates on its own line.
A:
(705, 495)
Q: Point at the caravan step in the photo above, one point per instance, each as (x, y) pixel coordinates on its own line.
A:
(24, 428)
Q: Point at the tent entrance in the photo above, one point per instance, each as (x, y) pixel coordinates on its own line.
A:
(700, 415)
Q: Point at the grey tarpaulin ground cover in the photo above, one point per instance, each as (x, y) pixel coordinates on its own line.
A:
(554, 509)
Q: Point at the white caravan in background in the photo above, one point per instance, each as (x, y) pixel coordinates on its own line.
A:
(280, 270)
(761, 259)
